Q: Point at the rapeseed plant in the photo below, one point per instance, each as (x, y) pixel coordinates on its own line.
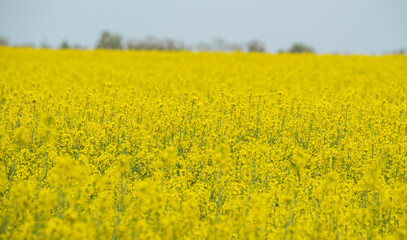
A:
(179, 145)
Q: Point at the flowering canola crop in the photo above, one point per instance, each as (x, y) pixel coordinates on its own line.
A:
(181, 145)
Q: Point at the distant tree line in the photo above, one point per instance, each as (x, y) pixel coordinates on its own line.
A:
(114, 41)
(152, 43)
(298, 48)
(65, 45)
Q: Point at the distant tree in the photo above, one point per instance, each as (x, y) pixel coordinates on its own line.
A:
(255, 46)
(64, 45)
(173, 45)
(215, 45)
(110, 41)
(401, 51)
(219, 45)
(3, 42)
(152, 43)
(300, 48)
(235, 47)
(204, 46)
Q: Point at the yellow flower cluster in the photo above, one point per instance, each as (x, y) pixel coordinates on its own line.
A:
(182, 145)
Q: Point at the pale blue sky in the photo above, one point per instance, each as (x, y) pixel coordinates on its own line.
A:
(347, 26)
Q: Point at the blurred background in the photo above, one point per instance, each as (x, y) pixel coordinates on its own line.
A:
(321, 26)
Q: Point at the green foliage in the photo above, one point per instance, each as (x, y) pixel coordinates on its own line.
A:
(151, 43)
(255, 46)
(300, 48)
(64, 45)
(110, 41)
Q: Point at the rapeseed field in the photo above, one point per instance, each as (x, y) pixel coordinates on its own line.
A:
(181, 145)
